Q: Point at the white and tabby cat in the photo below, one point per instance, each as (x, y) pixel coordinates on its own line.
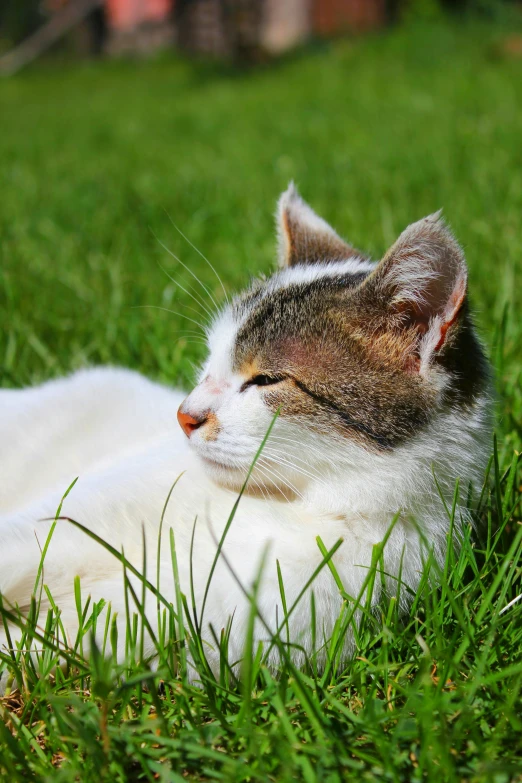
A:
(379, 380)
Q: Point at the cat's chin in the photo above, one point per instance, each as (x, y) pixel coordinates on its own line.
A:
(233, 478)
(225, 475)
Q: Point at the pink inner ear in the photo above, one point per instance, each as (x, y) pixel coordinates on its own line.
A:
(452, 309)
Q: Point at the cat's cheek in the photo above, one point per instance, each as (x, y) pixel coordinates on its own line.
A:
(288, 403)
(245, 413)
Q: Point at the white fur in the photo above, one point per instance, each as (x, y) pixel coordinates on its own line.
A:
(306, 273)
(117, 432)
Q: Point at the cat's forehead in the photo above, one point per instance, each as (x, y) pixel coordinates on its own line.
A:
(351, 271)
(291, 299)
(279, 313)
(302, 288)
(296, 304)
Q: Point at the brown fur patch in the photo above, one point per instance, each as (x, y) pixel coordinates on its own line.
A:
(249, 370)
(307, 247)
(304, 238)
(211, 428)
(350, 363)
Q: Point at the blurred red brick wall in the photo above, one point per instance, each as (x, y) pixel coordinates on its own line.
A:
(125, 14)
(336, 16)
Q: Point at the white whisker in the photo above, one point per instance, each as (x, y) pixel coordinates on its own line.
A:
(276, 449)
(189, 270)
(190, 342)
(283, 460)
(198, 300)
(174, 312)
(202, 256)
(264, 468)
(314, 479)
(260, 487)
(294, 442)
(278, 485)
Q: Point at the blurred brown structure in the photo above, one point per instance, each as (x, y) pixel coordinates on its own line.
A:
(238, 28)
(231, 29)
(234, 28)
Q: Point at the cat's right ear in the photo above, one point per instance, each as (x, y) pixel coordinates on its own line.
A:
(304, 237)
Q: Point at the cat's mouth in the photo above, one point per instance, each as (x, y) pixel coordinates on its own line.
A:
(222, 465)
(234, 478)
(217, 463)
(229, 466)
(224, 473)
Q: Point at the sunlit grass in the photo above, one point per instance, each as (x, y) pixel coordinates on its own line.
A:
(96, 163)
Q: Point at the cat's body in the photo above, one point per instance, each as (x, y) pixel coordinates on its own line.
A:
(370, 406)
(126, 487)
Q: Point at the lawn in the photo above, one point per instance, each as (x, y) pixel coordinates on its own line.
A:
(98, 165)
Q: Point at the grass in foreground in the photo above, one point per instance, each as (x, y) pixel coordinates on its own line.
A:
(432, 694)
(95, 161)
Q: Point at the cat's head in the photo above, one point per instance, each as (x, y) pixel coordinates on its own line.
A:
(357, 358)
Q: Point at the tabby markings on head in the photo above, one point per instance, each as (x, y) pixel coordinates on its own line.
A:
(367, 351)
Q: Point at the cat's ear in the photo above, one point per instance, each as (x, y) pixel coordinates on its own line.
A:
(422, 280)
(304, 237)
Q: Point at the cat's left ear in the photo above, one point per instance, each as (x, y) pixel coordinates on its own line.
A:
(304, 237)
(422, 282)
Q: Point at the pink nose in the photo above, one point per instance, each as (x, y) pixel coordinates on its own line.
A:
(189, 423)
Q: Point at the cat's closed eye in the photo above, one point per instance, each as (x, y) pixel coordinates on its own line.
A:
(262, 380)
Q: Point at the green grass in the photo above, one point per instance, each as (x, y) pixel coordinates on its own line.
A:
(97, 162)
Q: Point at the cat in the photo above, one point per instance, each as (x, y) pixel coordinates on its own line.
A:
(373, 380)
